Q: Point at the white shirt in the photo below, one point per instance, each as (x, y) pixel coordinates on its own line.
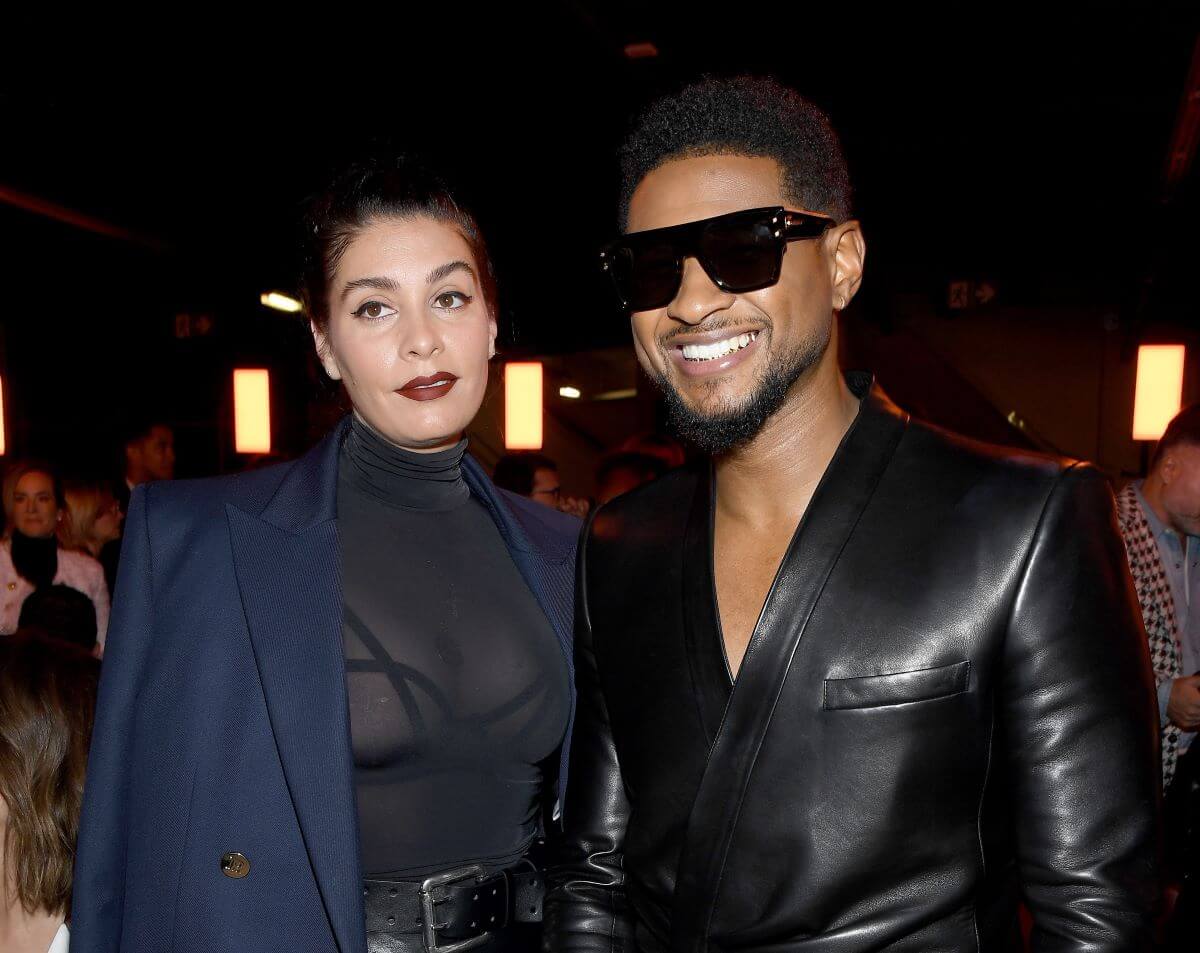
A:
(77, 570)
(61, 940)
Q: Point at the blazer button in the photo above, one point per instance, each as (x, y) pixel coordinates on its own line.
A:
(235, 865)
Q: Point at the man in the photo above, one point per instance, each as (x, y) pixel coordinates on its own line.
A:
(149, 455)
(149, 452)
(857, 680)
(536, 476)
(1160, 523)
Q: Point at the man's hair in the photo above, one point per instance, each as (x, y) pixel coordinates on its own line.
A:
(1183, 428)
(139, 428)
(515, 471)
(745, 116)
(47, 695)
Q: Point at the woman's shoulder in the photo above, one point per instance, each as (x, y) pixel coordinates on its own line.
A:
(79, 564)
(201, 497)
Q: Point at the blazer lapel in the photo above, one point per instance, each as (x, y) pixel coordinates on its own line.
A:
(827, 524)
(288, 568)
(547, 568)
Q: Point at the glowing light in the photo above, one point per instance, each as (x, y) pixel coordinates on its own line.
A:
(523, 406)
(280, 302)
(252, 410)
(571, 393)
(1158, 393)
(3, 428)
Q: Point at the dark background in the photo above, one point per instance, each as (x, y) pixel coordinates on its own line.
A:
(1028, 147)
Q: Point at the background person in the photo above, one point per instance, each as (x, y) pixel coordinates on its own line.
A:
(31, 555)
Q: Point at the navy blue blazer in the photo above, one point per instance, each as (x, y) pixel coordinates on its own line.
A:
(222, 722)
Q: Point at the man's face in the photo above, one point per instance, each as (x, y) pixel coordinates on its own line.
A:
(722, 402)
(153, 457)
(1180, 473)
(546, 489)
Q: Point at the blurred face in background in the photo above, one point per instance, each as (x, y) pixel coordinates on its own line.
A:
(546, 487)
(35, 509)
(107, 526)
(410, 332)
(1179, 471)
(152, 457)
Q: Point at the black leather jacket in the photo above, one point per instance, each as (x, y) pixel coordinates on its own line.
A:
(947, 698)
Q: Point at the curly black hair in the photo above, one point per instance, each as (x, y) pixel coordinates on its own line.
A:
(747, 116)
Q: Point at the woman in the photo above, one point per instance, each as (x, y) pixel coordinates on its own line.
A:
(92, 525)
(338, 691)
(30, 553)
(47, 694)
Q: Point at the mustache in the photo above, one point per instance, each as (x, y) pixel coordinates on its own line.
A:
(717, 324)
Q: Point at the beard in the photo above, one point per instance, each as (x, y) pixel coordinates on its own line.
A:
(736, 422)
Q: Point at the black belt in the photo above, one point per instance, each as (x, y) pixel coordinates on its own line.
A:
(457, 910)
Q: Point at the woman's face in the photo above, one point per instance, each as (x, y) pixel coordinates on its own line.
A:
(35, 510)
(107, 526)
(409, 332)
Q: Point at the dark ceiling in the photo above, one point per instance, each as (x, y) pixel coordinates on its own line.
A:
(1026, 147)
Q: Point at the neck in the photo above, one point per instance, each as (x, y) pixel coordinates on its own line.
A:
(774, 475)
(21, 931)
(400, 476)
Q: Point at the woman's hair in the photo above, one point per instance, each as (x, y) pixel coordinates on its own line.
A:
(86, 502)
(369, 191)
(47, 699)
(13, 476)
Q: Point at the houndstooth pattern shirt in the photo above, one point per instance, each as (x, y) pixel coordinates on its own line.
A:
(1158, 609)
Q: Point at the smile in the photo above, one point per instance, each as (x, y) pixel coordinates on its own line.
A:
(718, 349)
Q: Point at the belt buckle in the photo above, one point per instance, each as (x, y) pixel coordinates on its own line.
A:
(429, 925)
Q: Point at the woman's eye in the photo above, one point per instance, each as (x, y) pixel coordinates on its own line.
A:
(373, 310)
(450, 300)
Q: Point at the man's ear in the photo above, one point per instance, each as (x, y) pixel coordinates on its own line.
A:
(325, 352)
(1168, 467)
(848, 250)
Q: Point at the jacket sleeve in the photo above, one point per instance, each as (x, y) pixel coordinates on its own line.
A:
(1080, 727)
(586, 908)
(97, 908)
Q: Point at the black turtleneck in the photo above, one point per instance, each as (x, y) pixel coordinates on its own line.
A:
(457, 684)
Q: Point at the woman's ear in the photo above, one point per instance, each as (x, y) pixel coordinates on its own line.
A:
(492, 331)
(325, 352)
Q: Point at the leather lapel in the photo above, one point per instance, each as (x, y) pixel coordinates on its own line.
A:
(288, 568)
(827, 524)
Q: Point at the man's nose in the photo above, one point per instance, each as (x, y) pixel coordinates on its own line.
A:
(698, 296)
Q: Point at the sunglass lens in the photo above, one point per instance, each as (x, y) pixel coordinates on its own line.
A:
(742, 254)
(647, 274)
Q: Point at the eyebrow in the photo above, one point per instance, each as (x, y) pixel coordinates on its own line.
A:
(390, 284)
(444, 271)
(378, 284)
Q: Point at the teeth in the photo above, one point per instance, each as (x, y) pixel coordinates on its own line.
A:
(710, 352)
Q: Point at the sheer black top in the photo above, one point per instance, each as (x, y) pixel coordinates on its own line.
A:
(458, 688)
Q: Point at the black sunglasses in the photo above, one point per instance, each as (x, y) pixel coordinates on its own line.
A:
(740, 251)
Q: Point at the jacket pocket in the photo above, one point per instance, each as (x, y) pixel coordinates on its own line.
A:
(900, 688)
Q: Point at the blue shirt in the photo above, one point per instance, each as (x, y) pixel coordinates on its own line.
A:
(1181, 561)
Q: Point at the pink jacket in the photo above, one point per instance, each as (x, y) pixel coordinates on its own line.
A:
(77, 570)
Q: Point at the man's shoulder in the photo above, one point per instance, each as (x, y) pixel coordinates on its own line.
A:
(653, 511)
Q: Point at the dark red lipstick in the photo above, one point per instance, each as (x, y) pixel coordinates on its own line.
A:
(428, 388)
